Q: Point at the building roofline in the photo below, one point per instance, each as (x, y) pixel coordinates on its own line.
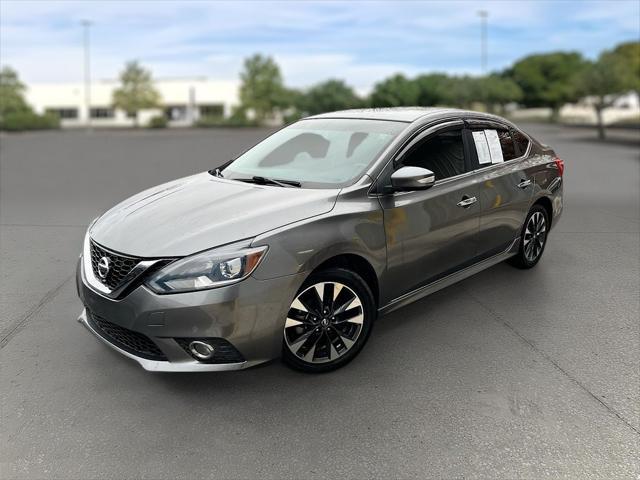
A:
(103, 81)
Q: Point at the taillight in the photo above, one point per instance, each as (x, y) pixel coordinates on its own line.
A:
(559, 164)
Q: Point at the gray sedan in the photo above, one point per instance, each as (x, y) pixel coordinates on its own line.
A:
(296, 246)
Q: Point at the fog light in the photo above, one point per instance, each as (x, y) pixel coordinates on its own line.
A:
(201, 350)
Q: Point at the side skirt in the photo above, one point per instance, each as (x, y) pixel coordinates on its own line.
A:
(455, 277)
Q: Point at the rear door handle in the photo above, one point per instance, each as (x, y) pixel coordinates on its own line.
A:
(466, 202)
(524, 184)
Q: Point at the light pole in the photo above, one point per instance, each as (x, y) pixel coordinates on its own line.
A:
(483, 14)
(86, 25)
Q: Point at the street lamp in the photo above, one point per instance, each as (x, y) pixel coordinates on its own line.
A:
(483, 14)
(86, 25)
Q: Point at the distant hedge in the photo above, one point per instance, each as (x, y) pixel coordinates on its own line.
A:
(21, 121)
(159, 121)
(211, 122)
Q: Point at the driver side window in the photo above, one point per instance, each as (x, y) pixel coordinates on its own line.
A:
(442, 153)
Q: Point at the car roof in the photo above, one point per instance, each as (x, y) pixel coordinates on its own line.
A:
(407, 114)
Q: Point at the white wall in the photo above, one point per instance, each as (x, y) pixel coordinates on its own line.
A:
(625, 107)
(189, 92)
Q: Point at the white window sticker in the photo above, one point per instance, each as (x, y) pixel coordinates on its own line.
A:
(482, 148)
(494, 146)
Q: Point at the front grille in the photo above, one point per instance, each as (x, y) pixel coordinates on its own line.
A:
(128, 340)
(119, 265)
(223, 351)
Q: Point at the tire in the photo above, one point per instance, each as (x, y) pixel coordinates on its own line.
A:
(533, 239)
(329, 321)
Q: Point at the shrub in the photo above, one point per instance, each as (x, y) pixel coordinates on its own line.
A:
(233, 121)
(27, 120)
(159, 121)
(292, 117)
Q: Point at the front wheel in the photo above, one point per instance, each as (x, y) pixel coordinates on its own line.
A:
(533, 238)
(328, 322)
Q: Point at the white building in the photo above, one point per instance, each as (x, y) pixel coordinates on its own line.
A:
(625, 108)
(183, 100)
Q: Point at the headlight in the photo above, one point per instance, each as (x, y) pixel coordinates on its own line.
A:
(210, 269)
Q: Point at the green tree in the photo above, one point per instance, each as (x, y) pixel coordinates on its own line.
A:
(604, 81)
(496, 91)
(464, 91)
(395, 91)
(294, 108)
(11, 93)
(328, 96)
(548, 80)
(261, 88)
(434, 89)
(628, 65)
(15, 114)
(137, 91)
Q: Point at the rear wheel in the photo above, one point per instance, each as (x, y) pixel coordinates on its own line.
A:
(533, 239)
(329, 321)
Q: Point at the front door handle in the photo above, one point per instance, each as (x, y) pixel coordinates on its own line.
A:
(524, 184)
(466, 202)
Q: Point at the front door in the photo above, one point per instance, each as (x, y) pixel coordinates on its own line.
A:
(431, 233)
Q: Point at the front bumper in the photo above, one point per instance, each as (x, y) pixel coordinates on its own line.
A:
(249, 315)
(163, 366)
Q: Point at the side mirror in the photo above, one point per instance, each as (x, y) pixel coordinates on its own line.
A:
(412, 178)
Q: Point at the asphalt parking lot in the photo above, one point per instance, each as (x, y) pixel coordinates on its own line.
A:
(508, 374)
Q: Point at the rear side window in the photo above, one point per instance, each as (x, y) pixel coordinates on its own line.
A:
(494, 146)
(521, 141)
(442, 153)
(507, 145)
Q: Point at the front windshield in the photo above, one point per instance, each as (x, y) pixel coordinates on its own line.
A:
(322, 153)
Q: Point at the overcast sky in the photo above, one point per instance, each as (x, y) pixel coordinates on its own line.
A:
(360, 42)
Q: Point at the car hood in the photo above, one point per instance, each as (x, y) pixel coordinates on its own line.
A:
(200, 212)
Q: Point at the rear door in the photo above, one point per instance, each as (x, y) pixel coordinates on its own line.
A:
(431, 233)
(505, 186)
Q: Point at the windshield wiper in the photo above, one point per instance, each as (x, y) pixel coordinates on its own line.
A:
(259, 180)
(272, 181)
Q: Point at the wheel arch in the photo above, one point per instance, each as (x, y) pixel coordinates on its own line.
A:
(545, 203)
(357, 264)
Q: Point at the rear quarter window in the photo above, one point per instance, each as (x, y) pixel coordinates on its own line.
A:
(521, 141)
(507, 145)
